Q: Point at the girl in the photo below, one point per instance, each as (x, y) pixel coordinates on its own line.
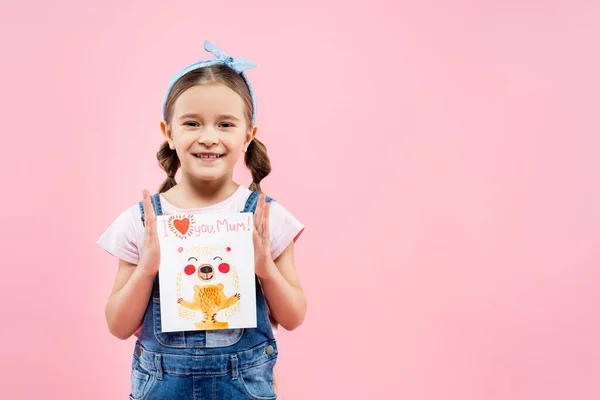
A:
(208, 121)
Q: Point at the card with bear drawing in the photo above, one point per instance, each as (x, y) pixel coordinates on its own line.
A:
(206, 272)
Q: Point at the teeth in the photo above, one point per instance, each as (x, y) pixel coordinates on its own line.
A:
(208, 156)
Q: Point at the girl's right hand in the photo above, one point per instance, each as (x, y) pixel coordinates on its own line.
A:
(150, 254)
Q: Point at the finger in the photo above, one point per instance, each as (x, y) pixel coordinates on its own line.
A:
(147, 203)
(256, 222)
(261, 201)
(258, 216)
(147, 206)
(149, 216)
(152, 224)
(266, 219)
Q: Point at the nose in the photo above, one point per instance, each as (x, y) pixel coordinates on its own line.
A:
(206, 270)
(208, 137)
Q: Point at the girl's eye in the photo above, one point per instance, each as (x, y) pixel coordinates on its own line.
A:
(191, 123)
(226, 125)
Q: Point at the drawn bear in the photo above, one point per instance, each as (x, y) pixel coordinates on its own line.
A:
(213, 275)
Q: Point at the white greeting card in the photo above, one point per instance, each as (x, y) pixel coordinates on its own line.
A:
(206, 272)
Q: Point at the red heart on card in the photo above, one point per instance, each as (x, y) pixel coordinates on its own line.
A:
(182, 225)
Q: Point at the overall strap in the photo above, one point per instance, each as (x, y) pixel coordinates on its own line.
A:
(252, 202)
(250, 205)
(155, 200)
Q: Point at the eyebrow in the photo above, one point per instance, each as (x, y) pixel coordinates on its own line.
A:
(222, 116)
(217, 257)
(193, 258)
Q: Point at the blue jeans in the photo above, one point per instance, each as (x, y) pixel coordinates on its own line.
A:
(242, 375)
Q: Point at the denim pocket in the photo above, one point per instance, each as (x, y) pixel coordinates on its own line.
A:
(223, 338)
(258, 381)
(141, 382)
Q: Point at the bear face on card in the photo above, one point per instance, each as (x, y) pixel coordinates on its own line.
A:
(206, 272)
(207, 284)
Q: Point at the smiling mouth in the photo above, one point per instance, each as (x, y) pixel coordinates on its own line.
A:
(208, 156)
(206, 277)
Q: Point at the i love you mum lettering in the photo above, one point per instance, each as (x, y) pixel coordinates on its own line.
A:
(186, 226)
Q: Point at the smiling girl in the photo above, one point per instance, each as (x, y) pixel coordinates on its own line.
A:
(209, 116)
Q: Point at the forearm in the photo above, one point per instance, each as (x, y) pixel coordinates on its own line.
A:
(125, 308)
(287, 302)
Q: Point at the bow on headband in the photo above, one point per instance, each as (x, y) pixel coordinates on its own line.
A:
(239, 65)
(235, 63)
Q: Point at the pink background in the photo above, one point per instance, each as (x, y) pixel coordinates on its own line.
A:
(443, 157)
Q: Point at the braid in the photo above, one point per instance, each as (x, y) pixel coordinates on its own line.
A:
(168, 161)
(257, 161)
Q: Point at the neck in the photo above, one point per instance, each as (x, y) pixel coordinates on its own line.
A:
(192, 193)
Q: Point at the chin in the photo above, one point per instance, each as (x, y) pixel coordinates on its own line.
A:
(203, 176)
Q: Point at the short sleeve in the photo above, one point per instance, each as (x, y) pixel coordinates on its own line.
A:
(120, 239)
(284, 228)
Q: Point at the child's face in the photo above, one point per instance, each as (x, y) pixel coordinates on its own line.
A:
(209, 132)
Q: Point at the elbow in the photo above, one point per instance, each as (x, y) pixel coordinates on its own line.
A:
(120, 334)
(294, 323)
(115, 328)
(291, 326)
(117, 331)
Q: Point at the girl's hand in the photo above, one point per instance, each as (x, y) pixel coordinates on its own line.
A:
(150, 254)
(263, 262)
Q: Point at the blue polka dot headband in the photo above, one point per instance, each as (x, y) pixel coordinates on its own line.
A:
(239, 65)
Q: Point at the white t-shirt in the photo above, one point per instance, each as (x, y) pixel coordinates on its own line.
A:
(125, 236)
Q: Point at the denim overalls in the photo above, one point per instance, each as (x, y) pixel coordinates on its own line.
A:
(213, 364)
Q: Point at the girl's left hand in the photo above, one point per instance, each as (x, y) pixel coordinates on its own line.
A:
(261, 237)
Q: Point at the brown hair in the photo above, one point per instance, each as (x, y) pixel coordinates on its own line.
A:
(256, 157)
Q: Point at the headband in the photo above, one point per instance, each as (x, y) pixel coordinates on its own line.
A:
(239, 65)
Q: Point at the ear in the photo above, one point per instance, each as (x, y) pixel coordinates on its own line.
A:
(166, 131)
(249, 137)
